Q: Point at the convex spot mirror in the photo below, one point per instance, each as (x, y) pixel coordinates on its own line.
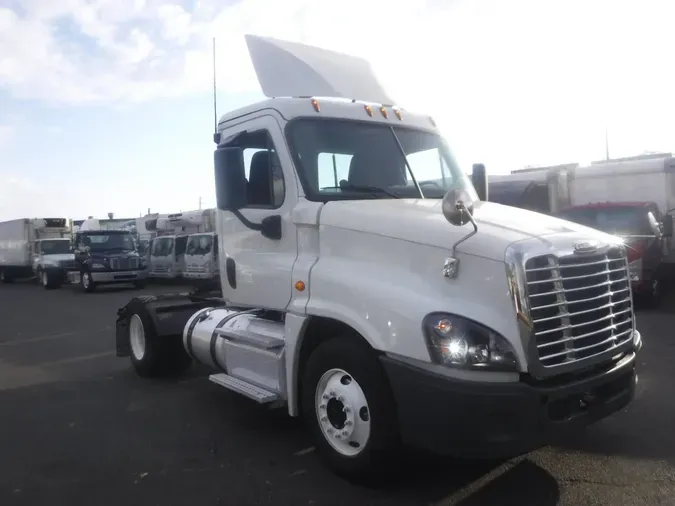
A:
(457, 207)
(230, 175)
(654, 225)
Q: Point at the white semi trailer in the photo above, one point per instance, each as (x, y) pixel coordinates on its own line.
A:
(393, 306)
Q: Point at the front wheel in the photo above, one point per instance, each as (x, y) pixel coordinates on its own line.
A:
(349, 407)
(86, 282)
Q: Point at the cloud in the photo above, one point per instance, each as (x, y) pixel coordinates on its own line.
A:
(101, 51)
(483, 68)
(7, 136)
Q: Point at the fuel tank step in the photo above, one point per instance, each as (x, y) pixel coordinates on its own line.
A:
(260, 395)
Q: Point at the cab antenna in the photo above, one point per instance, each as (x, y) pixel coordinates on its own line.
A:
(216, 135)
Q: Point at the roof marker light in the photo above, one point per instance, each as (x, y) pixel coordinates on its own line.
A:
(384, 112)
(369, 110)
(398, 114)
(315, 104)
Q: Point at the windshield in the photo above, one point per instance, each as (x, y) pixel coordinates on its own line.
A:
(613, 220)
(199, 244)
(106, 241)
(55, 247)
(162, 247)
(340, 159)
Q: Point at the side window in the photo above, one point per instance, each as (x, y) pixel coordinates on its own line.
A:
(215, 246)
(181, 243)
(36, 247)
(332, 168)
(266, 188)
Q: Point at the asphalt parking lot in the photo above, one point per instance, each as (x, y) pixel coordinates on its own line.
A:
(78, 427)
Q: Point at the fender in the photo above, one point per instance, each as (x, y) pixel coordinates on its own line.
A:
(385, 296)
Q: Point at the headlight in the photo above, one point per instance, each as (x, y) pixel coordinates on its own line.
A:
(97, 266)
(457, 342)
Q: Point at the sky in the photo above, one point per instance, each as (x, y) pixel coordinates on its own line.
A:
(106, 105)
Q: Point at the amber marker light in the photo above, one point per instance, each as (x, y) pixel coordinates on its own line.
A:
(300, 286)
(315, 104)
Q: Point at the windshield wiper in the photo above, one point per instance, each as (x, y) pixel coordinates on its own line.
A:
(362, 188)
(405, 160)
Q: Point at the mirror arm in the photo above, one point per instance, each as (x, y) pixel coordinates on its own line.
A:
(451, 267)
(246, 222)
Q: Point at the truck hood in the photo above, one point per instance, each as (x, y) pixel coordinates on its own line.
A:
(422, 221)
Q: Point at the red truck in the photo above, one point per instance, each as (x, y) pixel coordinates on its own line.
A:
(643, 228)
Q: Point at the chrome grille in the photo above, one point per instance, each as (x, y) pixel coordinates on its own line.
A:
(196, 268)
(122, 264)
(580, 305)
(67, 264)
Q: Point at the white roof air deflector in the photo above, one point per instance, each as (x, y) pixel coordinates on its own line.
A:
(290, 69)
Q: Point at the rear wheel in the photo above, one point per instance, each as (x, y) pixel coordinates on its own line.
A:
(5, 277)
(349, 407)
(153, 355)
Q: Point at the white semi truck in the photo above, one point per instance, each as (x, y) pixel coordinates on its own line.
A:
(39, 246)
(395, 306)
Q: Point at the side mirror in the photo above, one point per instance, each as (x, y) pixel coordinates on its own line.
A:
(667, 225)
(457, 207)
(480, 181)
(230, 177)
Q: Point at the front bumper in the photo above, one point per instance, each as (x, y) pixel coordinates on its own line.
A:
(199, 275)
(110, 277)
(163, 274)
(472, 419)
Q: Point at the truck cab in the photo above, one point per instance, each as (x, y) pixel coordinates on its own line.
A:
(52, 259)
(106, 257)
(369, 287)
(201, 257)
(167, 256)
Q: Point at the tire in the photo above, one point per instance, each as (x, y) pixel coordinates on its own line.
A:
(151, 355)
(652, 299)
(38, 276)
(44, 280)
(5, 277)
(373, 458)
(86, 283)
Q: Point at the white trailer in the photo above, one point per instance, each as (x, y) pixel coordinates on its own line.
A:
(30, 246)
(542, 189)
(394, 307)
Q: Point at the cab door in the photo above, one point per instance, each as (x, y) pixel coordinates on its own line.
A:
(256, 270)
